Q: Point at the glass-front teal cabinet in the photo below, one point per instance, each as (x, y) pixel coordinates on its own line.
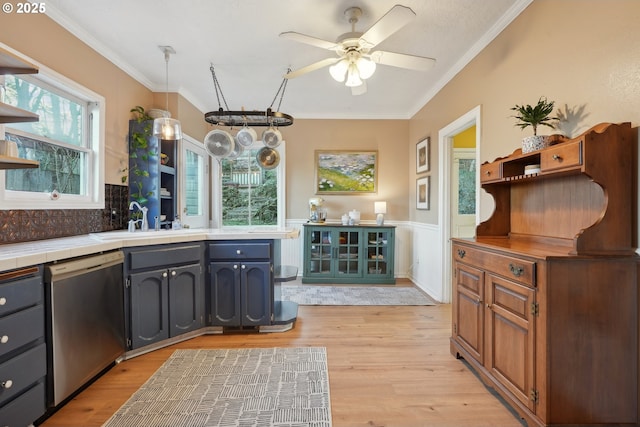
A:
(348, 254)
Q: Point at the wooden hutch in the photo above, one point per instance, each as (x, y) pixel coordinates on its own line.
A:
(545, 297)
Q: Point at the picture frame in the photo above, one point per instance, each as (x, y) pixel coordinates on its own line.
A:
(423, 193)
(346, 172)
(423, 155)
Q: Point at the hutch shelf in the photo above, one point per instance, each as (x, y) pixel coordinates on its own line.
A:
(545, 297)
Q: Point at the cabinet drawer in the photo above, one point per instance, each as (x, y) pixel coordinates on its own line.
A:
(21, 328)
(24, 410)
(516, 269)
(561, 156)
(164, 256)
(22, 371)
(239, 251)
(490, 172)
(20, 294)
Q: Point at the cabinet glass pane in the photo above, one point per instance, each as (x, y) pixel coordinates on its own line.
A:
(348, 248)
(320, 261)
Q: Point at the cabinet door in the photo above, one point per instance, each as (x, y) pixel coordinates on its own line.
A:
(346, 253)
(225, 293)
(149, 307)
(256, 293)
(318, 252)
(468, 310)
(510, 337)
(379, 253)
(185, 299)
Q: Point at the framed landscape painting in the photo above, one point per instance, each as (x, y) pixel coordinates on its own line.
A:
(422, 155)
(346, 172)
(422, 193)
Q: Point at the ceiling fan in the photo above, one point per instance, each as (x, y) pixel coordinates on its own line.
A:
(356, 61)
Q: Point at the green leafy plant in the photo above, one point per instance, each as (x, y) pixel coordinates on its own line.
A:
(140, 154)
(535, 116)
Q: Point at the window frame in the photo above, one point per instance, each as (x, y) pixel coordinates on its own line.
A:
(216, 192)
(94, 131)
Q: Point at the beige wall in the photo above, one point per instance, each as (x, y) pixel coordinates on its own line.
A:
(386, 136)
(583, 54)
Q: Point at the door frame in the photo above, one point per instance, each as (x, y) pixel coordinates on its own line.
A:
(445, 156)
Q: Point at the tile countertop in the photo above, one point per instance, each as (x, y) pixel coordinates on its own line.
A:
(17, 255)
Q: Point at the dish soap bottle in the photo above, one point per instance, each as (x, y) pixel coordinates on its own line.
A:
(175, 224)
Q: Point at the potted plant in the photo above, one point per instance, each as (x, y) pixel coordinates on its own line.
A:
(538, 115)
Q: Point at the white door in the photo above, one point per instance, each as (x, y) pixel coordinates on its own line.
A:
(193, 201)
(463, 193)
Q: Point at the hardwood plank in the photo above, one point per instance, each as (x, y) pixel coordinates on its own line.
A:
(388, 366)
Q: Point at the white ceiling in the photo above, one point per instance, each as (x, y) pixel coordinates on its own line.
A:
(241, 39)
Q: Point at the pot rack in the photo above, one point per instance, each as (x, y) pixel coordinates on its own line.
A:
(226, 117)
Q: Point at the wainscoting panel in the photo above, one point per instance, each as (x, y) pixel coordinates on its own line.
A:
(428, 262)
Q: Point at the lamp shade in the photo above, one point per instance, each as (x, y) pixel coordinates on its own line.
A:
(339, 70)
(366, 67)
(353, 76)
(167, 128)
(380, 207)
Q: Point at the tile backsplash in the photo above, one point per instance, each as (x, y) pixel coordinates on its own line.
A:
(27, 225)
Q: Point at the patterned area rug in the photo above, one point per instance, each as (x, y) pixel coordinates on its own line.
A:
(354, 295)
(240, 387)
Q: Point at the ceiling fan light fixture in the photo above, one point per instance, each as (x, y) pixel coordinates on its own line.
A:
(366, 67)
(339, 70)
(353, 76)
(164, 127)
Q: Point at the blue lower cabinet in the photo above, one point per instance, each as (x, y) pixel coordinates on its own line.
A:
(241, 283)
(23, 350)
(165, 295)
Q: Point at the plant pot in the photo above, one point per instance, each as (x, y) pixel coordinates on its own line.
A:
(534, 143)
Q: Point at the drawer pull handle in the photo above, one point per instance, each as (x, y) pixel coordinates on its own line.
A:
(556, 157)
(461, 253)
(243, 266)
(488, 173)
(3, 301)
(238, 252)
(164, 274)
(516, 270)
(6, 384)
(173, 273)
(235, 266)
(4, 339)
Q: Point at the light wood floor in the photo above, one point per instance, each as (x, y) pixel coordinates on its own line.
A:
(388, 366)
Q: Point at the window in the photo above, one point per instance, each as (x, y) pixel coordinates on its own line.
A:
(249, 195)
(66, 141)
(194, 184)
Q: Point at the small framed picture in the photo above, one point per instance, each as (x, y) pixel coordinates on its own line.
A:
(422, 155)
(422, 192)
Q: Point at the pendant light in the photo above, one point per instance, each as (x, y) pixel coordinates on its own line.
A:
(165, 127)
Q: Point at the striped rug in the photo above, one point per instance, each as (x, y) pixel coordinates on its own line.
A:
(234, 387)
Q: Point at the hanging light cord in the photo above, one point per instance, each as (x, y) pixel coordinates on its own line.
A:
(166, 60)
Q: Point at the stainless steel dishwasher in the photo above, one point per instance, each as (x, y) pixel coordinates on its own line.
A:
(85, 322)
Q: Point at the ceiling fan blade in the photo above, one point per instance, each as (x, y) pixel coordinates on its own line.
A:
(311, 67)
(313, 41)
(359, 90)
(392, 21)
(401, 60)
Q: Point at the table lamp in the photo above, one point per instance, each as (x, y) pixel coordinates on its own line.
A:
(380, 208)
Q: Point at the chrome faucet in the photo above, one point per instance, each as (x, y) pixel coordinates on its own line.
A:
(144, 223)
